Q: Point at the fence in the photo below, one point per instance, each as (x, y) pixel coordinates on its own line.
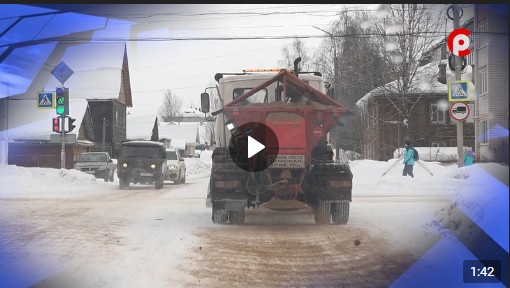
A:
(44, 161)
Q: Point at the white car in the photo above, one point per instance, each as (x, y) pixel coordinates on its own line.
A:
(176, 168)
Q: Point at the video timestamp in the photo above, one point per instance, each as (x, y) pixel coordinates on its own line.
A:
(481, 271)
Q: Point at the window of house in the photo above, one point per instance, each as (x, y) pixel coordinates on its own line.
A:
(470, 59)
(437, 115)
(483, 81)
(438, 144)
(116, 119)
(482, 36)
(484, 132)
(122, 118)
(373, 115)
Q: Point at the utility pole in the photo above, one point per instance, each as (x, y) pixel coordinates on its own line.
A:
(62, 142)
(335, 62)
(104, 132)
(335, 84)
(458, 69)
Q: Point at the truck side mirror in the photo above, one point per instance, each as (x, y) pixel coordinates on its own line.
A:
(204, 99)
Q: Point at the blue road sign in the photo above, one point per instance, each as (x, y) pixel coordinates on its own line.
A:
(45, 100)
(458, 91)
(62, 72)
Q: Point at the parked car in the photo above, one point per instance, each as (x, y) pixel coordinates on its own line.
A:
(176, 167)
(99, 164)
(142, 162)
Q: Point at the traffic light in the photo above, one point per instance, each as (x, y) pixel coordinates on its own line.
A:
(62, 100)
(56, 124)
(71, 125)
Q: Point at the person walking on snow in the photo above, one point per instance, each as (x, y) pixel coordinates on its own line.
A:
(408, 159)
(469, 156)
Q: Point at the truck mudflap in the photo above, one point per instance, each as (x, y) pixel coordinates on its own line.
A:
(224, 211)
(328, 181)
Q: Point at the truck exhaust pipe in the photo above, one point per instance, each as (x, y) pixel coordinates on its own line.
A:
(296, 65)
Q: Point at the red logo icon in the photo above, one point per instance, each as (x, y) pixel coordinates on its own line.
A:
(317, 132)
(458, 42)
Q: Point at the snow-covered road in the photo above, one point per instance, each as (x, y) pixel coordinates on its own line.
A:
(165, 238)
(102, 236)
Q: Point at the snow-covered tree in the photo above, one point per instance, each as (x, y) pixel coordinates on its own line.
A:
(407, 32)
(170, 109)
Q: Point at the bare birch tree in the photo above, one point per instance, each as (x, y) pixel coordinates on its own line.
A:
(294, 50)
(170, 109)
(360, 68)
(407, 32)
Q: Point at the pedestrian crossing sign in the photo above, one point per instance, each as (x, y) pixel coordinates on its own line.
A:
(45, 100)
(458, 91)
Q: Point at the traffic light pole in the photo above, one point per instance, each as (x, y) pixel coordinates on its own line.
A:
(63, 142)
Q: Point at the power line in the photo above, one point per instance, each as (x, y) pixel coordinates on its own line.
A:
(425, 34)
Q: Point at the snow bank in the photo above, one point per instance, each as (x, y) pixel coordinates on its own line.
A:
(199, 167)
(20, 181)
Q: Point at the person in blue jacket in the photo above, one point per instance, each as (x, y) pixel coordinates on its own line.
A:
(408, 159)
(469, 156)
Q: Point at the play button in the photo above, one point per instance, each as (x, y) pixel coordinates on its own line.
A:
(254, 146)
(251, 144)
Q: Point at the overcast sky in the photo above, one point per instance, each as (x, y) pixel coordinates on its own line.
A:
(187, 67)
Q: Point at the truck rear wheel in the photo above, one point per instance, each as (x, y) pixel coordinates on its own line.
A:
(340, 212)
(123, 182)
(218, 216)
(237, 217)
(159, 183)
(322, 212)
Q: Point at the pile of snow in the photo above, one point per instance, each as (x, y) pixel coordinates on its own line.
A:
(206, 156)
(199, 167)
(47, 182)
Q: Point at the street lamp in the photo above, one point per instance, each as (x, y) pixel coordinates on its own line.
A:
(335, 61)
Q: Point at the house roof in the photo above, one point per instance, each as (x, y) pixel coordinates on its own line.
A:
(189, 112)
(187, 132)
(26, 122)
(425, 82)
(139, 127)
